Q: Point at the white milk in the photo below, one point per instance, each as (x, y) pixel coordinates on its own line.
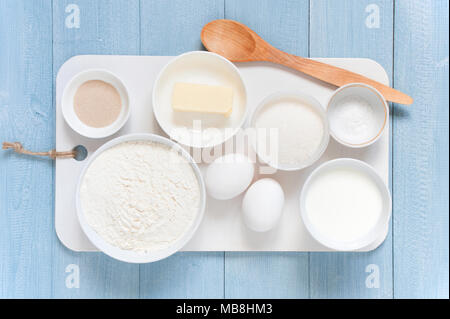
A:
(343, 204)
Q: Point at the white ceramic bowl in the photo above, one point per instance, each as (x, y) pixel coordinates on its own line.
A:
(373, 97)
(203, 68)
(304, 98)
(377, 231)
(69, 113)
(128, 255)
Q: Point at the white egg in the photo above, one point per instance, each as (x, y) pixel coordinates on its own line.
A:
(263, 204)
(228, 176)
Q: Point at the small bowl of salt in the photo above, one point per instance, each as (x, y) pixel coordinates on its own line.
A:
(357, 115)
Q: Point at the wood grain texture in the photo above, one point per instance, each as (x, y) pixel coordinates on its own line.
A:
(171, 28)
(266, 275)
(106, 27)
(26, 115)
(283, 24)
(338, 29)
(184, 275)
(421, 151)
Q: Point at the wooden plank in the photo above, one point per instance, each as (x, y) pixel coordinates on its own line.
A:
(106, 27)
(171, 28)
(351, 29)
(270, 275)
(184, 275)
(266, 275)
(26, 115)
(421, 151)
(284, 24)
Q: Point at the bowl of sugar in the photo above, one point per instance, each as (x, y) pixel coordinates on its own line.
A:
(345, 205)
(358, 115)
(290, 130)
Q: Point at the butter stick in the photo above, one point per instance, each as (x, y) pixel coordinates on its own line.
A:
(192, 97)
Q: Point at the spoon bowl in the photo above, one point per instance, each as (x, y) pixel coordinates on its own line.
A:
(241, 44)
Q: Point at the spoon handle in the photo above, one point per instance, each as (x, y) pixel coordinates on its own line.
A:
(334, 75)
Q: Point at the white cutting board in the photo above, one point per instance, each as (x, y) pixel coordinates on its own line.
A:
(222, 228)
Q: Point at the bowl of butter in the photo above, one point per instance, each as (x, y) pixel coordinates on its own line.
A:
(199, 99)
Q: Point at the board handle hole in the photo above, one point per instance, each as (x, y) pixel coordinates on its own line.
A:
(80, 153)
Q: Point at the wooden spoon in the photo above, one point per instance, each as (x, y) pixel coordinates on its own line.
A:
(238, 43)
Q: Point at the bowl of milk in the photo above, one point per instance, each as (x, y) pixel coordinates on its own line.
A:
(345, 205)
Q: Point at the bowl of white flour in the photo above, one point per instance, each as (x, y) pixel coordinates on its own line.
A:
(140, 198)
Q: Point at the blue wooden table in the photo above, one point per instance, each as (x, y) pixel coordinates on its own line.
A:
(408, 38)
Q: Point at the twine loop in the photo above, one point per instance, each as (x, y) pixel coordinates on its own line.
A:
(53, 154)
